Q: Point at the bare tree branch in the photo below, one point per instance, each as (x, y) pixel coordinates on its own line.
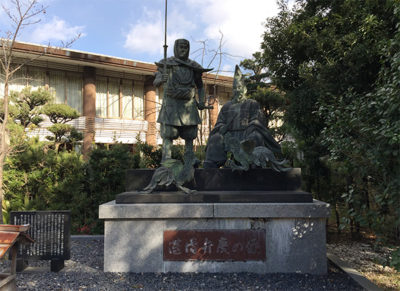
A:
(68, 44)
(26, 62)
(203, 49)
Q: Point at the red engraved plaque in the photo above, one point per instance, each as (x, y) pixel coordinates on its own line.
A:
(214, 245)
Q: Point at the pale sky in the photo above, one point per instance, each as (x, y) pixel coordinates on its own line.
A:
(134, 29)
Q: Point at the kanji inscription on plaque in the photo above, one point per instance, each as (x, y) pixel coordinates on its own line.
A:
(214, 245)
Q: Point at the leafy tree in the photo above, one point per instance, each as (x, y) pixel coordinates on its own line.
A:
(366, 127)
(272, 101)
(148, 155)
(22, 13)
(259, 76)
(59, 115)
(26, 105)
(104, 178)
(336, 62)
(40, 178)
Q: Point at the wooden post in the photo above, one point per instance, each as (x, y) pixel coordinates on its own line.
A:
(89, 108)
(150, 111)
(14, 251)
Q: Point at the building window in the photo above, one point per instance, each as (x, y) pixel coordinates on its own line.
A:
(113, 97)
(67, 88)
(101, 96)
(36, 77)
(74, 92)
(159, 98)
(127, 99)
(57, 84)
(18, 81)
(138, 101)
(119, 98)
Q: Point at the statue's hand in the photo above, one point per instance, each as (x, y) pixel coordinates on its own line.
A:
(164, 78)
(201, 105)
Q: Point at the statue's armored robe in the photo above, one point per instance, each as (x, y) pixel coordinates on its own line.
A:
(179, 107)
(244, 121)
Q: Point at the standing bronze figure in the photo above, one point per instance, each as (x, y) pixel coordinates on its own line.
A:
(179, 116)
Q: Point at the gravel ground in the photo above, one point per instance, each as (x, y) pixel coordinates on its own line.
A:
(370, 261)
(84, 272)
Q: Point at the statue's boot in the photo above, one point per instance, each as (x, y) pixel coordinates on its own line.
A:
(166, 150)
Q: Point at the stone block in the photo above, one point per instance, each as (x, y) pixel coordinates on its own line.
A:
(111, 210)
(133, 246)
(224, 180)
(296, 246)
(215, 197)
(295, 238)
(272, 210)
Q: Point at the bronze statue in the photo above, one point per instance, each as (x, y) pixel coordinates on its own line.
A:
(179, 116)
(173, 172)
(241, 130)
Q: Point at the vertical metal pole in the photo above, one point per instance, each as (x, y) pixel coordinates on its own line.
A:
(165, 37)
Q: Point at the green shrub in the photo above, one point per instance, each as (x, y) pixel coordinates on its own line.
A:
(395, 262)
(147, 155)
(39, 178)
(104, 178)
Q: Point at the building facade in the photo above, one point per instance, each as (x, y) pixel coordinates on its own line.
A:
(115, 97)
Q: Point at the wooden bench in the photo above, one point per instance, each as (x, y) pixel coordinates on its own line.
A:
(11, 238)
(51, 231)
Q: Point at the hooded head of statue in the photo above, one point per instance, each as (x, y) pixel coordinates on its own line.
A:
(239, 89)
(181, 49)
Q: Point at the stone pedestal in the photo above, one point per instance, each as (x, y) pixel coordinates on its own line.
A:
(223, 180)
(136, 236)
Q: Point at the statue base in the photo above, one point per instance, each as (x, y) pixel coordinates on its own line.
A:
(224, 180)
(215, 197)
(256, 221)
(215, 237)
(220, 186)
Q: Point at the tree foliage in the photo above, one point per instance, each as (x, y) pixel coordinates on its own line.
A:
(21, 14)
(27, 104)
(59, 115)
(39, 178)
(38, 175)
(338, 64)
(366, 128)
(272, 101)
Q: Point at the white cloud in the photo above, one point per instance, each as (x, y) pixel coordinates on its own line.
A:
(178, 21)
(7, 23)
(147, 34)
(241, 22)
(55, 30)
